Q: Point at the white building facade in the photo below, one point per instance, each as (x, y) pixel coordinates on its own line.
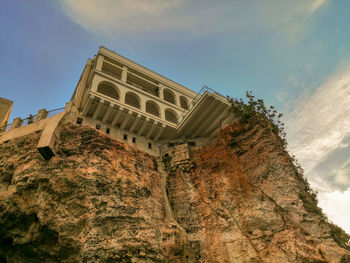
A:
(132, 103)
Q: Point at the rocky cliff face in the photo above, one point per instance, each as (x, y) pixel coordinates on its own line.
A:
(240, 200)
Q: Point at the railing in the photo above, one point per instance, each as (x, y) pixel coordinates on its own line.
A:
(194, 101)
(55, 111)
(32, 117)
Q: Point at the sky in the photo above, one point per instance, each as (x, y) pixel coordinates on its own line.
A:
(293, 54)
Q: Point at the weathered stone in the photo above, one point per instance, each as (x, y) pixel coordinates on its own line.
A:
(16, 123)
(5, 111)
(181, 155)
(42, 114)
(100, 200)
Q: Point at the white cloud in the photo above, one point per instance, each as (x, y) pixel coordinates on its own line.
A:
(318, 132)
(317, 4)
(337, 206)
(111, 17)
(320, 121)
(341, 175)
(115, 16)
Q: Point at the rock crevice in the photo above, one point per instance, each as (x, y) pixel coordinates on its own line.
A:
(240, 199)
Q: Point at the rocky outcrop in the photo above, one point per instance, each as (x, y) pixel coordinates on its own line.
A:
(240, 199)
(245, 201)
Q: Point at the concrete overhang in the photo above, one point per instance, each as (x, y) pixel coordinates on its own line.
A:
(117, 114)
(205, 117)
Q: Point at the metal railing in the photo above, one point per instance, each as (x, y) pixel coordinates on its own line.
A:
(194, 101)
(55, 111)
(32, 117)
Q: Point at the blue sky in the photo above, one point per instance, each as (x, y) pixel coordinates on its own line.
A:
(293, 54)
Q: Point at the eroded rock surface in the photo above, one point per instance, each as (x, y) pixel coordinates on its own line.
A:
(98, 200)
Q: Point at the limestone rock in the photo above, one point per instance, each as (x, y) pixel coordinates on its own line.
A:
(99, 200)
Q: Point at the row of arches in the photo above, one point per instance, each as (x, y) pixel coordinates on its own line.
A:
(134, 100)
(168, 95)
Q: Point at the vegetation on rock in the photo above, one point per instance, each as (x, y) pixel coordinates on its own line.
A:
(101, 200)
(250, 111)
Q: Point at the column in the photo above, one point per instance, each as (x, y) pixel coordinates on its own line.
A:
(99, 62)
(124, 74)
(177, 99)
(161, 95)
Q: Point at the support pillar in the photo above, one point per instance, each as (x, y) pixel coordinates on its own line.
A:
(161, 95)
(144, 125)
(87, 106)
(99, 62)
(150, 131)
(108, 112)
(159, 133)
(136, 121)
(124, 74)
(125, 121)
(118, 114)
(98, 109)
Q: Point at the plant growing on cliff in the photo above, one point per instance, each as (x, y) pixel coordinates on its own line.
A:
(250, 110)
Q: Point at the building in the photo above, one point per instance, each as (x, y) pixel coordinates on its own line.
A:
(132, 103)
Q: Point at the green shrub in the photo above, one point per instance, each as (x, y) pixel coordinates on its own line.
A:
(339, 235)
(251, 109)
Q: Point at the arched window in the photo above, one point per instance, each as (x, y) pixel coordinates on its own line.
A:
(169, 96)
(152, 108)
(132, 99)
(183, 103)
(109, 90)
(171, 116)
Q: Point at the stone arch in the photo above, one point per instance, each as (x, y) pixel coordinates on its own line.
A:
(108, 89)
(152, 108)
(132, 99)
(183, 103)
(171, 116)
(169, 96)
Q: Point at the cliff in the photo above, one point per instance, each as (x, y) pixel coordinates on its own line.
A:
(240, 199)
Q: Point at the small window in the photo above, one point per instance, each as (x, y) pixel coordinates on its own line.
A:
(98, 126)
(149, 145)
(125, 137)
(79, 120)
(133, 140)
(166, 155)
(108, 130)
